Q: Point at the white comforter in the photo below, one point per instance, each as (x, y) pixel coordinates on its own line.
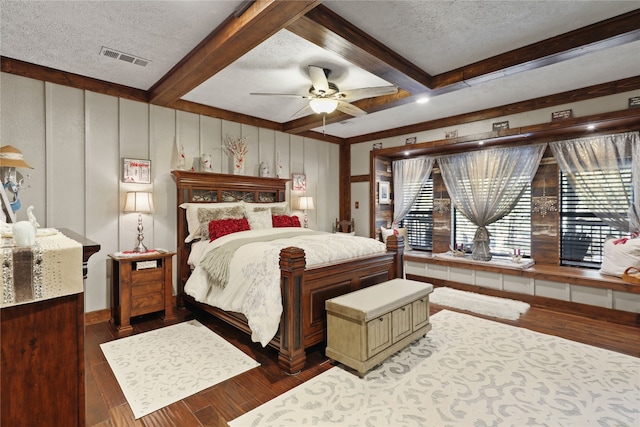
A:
(254, 273)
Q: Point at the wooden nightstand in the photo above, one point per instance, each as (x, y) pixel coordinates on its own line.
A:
(140, 284)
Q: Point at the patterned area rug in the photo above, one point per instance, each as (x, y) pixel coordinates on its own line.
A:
(482, 304)
(469, 372)
(157, 368)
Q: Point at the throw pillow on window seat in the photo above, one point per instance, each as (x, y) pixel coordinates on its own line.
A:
(386, 232)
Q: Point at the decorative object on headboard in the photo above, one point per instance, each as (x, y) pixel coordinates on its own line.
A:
(237, 148)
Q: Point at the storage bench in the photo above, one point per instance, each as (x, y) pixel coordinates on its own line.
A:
(367, 326)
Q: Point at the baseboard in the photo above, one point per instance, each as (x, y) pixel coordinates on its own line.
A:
(104, 315)
(97, 316)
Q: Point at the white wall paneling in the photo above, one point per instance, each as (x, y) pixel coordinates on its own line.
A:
(162, 140)
(102, 195)
(22, 109)
(64, 145)
(134, 144)
(267, 150)
(360, 194)
(211, 142)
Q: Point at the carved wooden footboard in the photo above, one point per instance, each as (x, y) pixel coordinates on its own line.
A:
(304, 290)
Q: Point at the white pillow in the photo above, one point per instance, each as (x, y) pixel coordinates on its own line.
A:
(277, 208)
(617, 258)
(259, 220)
(386, 232)
(193, 224)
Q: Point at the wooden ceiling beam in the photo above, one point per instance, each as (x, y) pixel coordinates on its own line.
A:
(602, 35)
(235, 37)
(331, 32)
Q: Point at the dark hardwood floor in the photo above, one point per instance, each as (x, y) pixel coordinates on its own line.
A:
(106, 405)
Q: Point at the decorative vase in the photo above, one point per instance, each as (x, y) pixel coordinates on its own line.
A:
(205, 163)
(238, 167)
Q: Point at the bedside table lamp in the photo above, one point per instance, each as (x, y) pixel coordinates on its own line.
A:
(141, 202)
(305, 203)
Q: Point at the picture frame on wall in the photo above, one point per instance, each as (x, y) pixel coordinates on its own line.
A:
(299, 182)
(384, 193)
(137, 171)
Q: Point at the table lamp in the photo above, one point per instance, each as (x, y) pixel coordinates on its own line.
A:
(141, 202)
(305, 203)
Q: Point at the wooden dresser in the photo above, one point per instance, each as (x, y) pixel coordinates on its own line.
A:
(42, 364)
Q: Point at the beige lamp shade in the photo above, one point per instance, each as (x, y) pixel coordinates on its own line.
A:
(139, 201)
(305, 203)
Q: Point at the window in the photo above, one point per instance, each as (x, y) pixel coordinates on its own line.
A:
(583, 233)
(511, 232)
(419, 220)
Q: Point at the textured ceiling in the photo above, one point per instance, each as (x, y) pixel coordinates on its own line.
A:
(435, 36)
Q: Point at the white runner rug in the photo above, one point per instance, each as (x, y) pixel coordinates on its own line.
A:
(468, 372)
(482, 304)
(160, 367)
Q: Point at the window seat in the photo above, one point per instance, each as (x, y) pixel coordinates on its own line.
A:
(574, 289)
(570, 275)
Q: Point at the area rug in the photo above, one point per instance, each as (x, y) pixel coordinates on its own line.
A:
(160, 367)
(468, 372)
(482, 304)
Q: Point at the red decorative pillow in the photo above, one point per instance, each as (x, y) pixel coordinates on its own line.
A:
(285, 221)
(222, 227)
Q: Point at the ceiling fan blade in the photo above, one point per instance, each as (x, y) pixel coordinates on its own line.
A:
(365, 92)
(304, 111)
(350, 109)
(318, 78)
(290, 95)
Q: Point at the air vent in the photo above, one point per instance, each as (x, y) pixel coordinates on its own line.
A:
(126, 57)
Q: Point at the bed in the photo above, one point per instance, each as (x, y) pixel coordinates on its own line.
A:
(303, 288)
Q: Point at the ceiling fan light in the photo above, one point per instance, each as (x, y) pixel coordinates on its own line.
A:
(323, 105)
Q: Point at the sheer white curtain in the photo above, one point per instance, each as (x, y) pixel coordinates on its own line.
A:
(409, 175)
(592, 166)
(485, 185)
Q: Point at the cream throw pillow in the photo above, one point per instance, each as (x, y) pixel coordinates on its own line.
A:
(259, 220)
(386, 232)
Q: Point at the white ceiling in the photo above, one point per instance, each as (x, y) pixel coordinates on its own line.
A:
(436, 36)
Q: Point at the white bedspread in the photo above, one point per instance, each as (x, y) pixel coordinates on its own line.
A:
(254, 278)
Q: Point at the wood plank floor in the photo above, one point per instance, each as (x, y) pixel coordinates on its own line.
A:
(106, 405)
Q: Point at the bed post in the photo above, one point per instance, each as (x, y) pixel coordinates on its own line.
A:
(395, 243)
(292, 356)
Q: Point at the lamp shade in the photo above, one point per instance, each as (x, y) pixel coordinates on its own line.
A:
(139, 201)
(305, 203)
(323, 105)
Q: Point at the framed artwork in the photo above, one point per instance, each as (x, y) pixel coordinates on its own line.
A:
(136, 171)
(384, 193)
(299, 182)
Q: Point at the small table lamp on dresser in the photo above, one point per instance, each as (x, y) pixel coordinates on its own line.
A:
(141, 202)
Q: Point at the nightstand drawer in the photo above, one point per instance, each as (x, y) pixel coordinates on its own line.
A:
(147, 303)
(146, 288)
(139, 277)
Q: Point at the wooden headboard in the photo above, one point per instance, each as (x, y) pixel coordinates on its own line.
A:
(203, 187)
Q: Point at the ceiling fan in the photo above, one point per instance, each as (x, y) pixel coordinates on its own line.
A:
(325, 97)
